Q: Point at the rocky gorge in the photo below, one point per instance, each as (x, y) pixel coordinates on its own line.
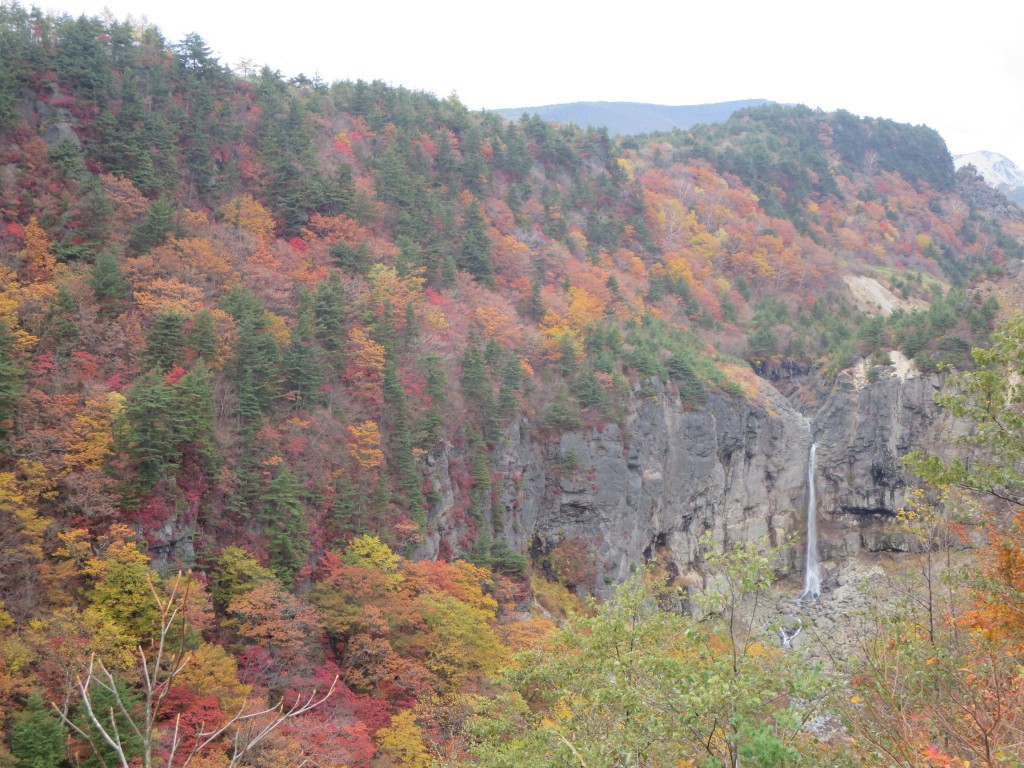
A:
(734, 466)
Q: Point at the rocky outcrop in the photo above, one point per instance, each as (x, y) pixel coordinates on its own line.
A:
(735, 466)
(864, 426)
(732, 466)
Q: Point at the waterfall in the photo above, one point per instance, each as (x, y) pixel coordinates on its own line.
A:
(812, 573)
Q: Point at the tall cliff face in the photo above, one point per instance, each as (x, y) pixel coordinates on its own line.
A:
(733, 466)
(863, 429)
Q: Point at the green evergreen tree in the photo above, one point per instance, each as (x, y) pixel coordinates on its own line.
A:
(384, 332)
(301, 366)
(17, 45)
(110, 286)
(411, 326)
(82, 60)
(475, 253)
(96, 214)
(201, 128)
(763, 342)
(411, 258)
(350, 258)
(567, 354)
(285, 525)
(105, 701)
(475, 171)
(11, 385)
(533, 306)
(68, 160)
(125, 145)
(329, 314)
(38, 735)
(163, 422)
(400, 444)
(511, 387)
(161, 221)
(393, 181)
(246, 496)
(194, 414)
(681, 368)
(202, 336)
(165, 341)
(347, 508)
(437, 390)
(339, 192)
(476, 384)
(248, 410)
(61, 320)
(587, 388)
(256, 363)
(480, 477)
(148, 437)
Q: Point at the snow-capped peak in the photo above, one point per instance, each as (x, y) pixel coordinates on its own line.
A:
(997, 170)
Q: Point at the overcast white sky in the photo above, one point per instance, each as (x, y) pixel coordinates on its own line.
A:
(957, 68)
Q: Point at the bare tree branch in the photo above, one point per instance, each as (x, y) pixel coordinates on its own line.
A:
(157, 671)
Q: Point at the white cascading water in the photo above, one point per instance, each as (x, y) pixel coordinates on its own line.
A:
(812, 573)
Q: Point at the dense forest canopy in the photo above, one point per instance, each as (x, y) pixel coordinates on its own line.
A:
(240, 316)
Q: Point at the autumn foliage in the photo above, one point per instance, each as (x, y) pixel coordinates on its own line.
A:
(277, 333)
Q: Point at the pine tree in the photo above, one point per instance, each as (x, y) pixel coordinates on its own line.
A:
(108, 283)
(62, 327)
(437, 390)
(105, 701)
(148, 436)
(587, 388)
(256, 362)
(384, 332)
(475, 253)
(96, 213)
(567, 353)
(351, 258)
(11, 386)
(480, 476)
(194, 414)
(511, 382)
(285, 524)
(400, 444)
(410, 259)
(202, 337)
(393, 180)
(163, 421)
(533, 306)
(476, 384)
(165, 341)
(255, 365)
(248, 410)
(161, 221)
(411, 327)
(347, 509)
(329, 314)
(301, 367)
(37, 735)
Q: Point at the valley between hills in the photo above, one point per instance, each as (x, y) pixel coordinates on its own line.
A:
(344, 426)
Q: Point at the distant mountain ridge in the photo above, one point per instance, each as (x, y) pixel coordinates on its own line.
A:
(997, 170)
(627, 117)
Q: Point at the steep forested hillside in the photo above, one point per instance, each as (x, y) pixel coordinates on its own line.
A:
(240, 318)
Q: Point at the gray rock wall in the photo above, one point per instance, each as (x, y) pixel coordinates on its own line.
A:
(863, 429)
(733, 466)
